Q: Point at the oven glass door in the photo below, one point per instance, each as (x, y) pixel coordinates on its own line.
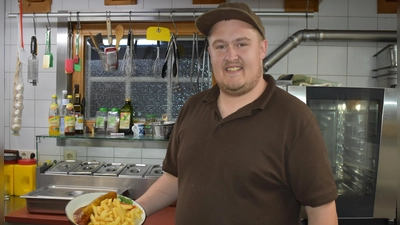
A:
(350, 122)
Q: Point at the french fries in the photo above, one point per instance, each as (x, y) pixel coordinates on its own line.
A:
(113, 212)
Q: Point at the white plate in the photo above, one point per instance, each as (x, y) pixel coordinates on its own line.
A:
(86, 199)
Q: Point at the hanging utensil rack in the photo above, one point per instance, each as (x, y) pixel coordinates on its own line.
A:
(145, 15)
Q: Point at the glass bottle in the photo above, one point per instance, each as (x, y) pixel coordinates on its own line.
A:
(54, 117)
(126, 118)
(64, 102)
(69, 118)
(79, 116)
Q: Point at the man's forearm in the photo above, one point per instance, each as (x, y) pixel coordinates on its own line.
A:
(325, 214)
(161, 194)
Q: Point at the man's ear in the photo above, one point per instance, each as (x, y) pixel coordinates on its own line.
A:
(263, 49)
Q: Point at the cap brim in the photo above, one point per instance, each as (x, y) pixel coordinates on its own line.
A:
(206, 21)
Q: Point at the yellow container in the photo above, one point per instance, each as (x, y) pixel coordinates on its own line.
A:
(9, 179)
(24, 176)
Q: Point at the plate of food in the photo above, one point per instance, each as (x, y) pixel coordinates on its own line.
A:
(104, 208)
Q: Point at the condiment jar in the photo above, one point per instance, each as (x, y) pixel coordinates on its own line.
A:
(113, 121)
(24, 176)
(101, 121)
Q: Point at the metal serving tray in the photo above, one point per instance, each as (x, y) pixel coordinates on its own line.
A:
(64, 167)
(154, 171)
(134, 170)
(86, 168)
(110, 169)
(53, 199)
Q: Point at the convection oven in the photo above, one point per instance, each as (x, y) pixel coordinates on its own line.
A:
(359, 128)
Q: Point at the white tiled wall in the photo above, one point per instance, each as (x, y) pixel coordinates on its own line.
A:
(348, 63)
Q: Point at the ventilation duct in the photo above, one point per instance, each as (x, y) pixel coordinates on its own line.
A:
(326, 35)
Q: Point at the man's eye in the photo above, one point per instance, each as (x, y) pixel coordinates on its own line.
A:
(220, 47)
(242, 44)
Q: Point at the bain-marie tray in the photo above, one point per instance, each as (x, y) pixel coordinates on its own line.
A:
(53, 199)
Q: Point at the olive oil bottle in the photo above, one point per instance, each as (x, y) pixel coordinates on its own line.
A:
(79, 114)
(126, 118)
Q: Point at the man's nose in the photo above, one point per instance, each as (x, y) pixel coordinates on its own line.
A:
(231, 54)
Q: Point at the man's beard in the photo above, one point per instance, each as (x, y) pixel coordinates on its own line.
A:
(242, 89)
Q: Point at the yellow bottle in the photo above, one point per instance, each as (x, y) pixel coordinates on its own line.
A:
(54, 117)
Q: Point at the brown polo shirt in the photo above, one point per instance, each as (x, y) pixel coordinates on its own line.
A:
(256, 166)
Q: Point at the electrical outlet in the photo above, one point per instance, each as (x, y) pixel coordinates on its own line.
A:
(69, 154)
(26, 154)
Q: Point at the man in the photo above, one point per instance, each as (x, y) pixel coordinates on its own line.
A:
(244, 151)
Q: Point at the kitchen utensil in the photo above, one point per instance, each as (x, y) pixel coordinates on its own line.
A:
(94, 42)
(69, 63)
(167, 67)
(111, 59)
(33, 63)
(109, 31)
(77, 64)
(119, 34)
(157, 65)
(158, 33)
(48, 56)
(128, 63)
(86, 199)
(162, 129)
(193, 54)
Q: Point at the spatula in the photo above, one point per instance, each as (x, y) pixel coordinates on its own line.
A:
(69, 63)
(158, 34)
(77, 64)
(119, 34)
(48, 57)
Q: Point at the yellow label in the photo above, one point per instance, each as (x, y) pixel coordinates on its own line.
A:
(125, 120)
(69, 122)
(54, 125)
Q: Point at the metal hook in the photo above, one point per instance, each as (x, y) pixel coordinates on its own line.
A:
(34, 24)
(194, 17)
(48, 21)
(158, 21)
(70, 23)
(79, 22)
(176, 30)
(130, 21)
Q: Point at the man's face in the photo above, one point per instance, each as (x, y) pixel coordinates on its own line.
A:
(236, 50)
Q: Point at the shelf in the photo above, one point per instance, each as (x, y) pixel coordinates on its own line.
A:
(104, 137)
(101, 140)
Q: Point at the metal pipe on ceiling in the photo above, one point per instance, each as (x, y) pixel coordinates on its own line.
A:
(326, 35)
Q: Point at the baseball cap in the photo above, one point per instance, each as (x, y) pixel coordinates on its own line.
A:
(228, 11)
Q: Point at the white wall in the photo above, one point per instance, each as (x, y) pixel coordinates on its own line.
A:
(348, 63)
